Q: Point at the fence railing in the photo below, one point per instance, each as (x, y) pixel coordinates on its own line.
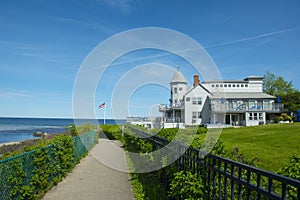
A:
(228, 179)
(83, 143)
(21, 172)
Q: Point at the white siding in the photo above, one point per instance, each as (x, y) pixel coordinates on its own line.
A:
(197, 92)
(254, 118)
(178, 91)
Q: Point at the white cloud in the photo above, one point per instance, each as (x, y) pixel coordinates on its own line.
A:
(123, 5)
(98, 26)
(250, 38)
(18, 45)
(9, 93)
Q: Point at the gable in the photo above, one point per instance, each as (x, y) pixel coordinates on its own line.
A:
(196, 91)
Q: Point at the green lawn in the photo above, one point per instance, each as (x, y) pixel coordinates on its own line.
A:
(273, 144)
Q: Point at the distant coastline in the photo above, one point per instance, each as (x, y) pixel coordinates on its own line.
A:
(16, 129)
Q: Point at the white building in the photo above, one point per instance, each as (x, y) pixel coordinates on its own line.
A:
(221, 102)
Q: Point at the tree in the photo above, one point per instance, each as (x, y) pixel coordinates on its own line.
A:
(277, 86)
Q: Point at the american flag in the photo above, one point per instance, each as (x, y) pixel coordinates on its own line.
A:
(102, 105)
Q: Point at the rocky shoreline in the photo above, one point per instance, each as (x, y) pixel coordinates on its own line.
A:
(13, 146)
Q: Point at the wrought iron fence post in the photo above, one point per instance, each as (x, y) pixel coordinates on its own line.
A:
(180, 153)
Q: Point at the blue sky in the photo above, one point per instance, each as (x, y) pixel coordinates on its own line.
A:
(44, 42)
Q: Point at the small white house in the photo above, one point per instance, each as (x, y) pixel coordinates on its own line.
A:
(220, 102)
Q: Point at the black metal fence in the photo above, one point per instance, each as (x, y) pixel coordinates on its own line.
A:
(228, 179)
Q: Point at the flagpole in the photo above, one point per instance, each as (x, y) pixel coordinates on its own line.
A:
(104, 114)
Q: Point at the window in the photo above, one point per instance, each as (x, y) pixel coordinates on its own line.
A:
(242, 85)
(197, 101)
(194, 100)
(180, 88)
(212, 85)
(233, 85)
(250, 116)
(217, 85)
(256, 116)
(221, 85)
(194, 115)
(234, 104)
(267, 105)
(252, 104)
(199, 115)
(175, 90)
(229, 85)
(246, 85)
(237, 85)
(225, 85)
(188, 98)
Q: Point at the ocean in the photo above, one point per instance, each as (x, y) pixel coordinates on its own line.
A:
(19, 129)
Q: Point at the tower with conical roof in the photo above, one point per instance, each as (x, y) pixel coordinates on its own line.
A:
(178, 86)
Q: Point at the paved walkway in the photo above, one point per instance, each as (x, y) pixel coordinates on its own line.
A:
(92, 180)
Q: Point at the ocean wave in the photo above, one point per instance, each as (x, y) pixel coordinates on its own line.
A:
(27, 127)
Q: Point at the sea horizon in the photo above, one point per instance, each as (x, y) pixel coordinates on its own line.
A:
(15, 129)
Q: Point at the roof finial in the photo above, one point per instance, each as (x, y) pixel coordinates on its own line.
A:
(177, 67)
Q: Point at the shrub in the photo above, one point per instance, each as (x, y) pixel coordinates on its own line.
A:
(283, 117)
(112, 132)
(201, 129)
(72, 130)
(292, 171)
(186, 185)
(84, 128)
(31, 174)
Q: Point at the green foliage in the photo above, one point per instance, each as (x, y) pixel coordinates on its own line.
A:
(292, 102)
(236, 144)
(201, 130)
(186, 185)
(112, 132)
(29, 175)
(283, 117)
(168, 133)
(84, 128)
(277, 86)
(72, 130)
(293, 171)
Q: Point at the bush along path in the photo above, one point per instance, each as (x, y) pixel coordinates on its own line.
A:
(30, 174)
(219, 179)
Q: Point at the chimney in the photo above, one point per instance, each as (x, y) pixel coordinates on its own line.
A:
(196, 80)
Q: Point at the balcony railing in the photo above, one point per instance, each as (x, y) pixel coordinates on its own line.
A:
(275, 107)
(167, 107)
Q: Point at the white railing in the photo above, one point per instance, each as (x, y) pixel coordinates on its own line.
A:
(276, 107)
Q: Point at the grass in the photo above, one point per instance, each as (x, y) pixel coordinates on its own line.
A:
(272, 144)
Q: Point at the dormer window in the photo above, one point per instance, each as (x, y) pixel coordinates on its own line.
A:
(175, 90)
